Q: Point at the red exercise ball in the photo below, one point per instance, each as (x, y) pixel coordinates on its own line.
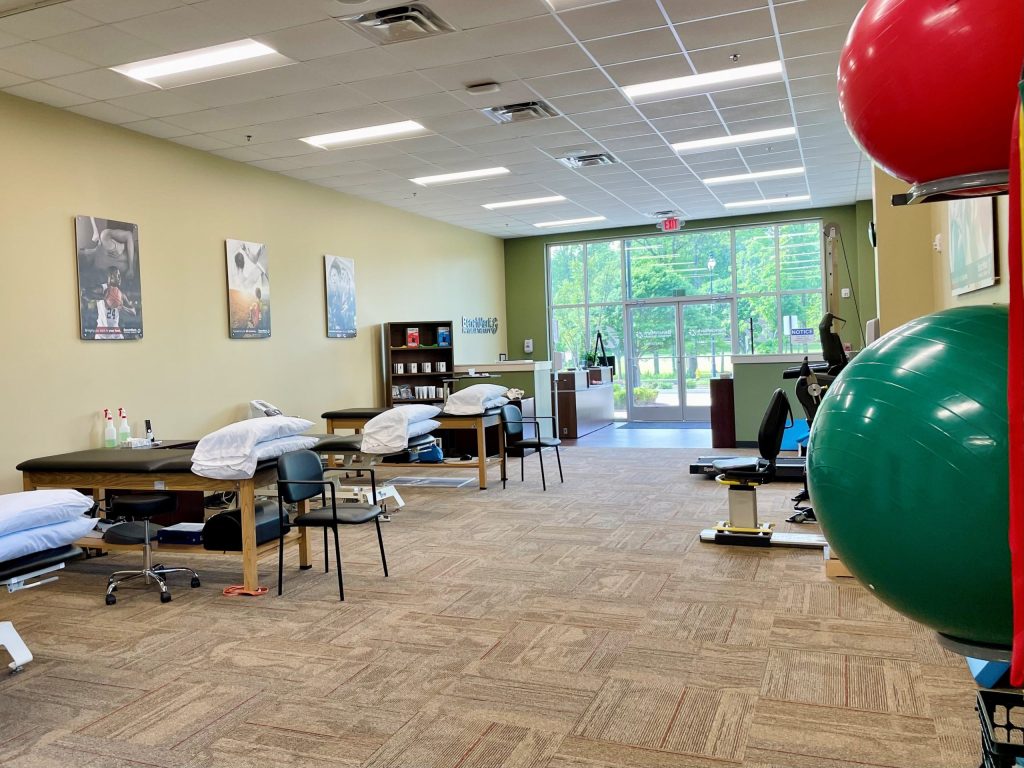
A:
(928, 87)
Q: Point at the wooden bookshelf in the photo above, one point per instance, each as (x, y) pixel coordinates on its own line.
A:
(396, 351)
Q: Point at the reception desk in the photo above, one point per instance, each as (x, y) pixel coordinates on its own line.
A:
(586, 401)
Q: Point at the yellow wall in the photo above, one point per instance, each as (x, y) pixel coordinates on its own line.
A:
(903, 256)
(186, 375)
(996, 294)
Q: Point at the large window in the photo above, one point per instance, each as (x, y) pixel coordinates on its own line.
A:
(770, 274)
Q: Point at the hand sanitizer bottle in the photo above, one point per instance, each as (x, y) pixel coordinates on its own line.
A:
(124, 432)
(109, 434)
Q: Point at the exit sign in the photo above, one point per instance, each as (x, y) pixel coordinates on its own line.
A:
(671, 224)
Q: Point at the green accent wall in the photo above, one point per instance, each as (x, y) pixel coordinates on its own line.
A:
(526, 282)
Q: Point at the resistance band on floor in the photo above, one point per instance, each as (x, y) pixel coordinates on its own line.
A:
(239, 589)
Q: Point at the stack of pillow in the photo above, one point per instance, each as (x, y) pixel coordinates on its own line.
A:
(389, 432)
(232, 452)
(34, 521)
(476, 399)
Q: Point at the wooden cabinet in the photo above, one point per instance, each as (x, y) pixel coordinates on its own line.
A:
(414, 373)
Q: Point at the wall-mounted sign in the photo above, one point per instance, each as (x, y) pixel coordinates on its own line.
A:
(801, 335)
(479, 325)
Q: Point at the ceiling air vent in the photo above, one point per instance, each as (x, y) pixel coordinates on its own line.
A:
(399, 24)
(587, 161)
(518, 113)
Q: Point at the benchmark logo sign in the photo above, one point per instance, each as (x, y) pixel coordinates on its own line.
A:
(479, 325)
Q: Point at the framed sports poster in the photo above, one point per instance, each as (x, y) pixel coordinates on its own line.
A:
(340, 282)
(109, 284)
(972, 245)
(248, 290)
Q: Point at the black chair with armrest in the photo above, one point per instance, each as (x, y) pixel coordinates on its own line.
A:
(517, 444)
(300, 477)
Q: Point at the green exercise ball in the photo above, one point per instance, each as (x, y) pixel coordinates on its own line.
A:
(908, 472)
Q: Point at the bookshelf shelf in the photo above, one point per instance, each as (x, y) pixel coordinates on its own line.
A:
(396, 351)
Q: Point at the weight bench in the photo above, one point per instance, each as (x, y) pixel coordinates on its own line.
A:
(24, 573)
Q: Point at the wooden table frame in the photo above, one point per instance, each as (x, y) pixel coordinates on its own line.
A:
(184, 481)
(478, 423)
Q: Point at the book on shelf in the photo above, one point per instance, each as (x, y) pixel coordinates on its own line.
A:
(444, 336)
(412, 337)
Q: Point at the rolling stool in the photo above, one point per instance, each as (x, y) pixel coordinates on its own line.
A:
(141, 508)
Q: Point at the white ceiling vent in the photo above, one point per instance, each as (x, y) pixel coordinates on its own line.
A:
(399, 24)
(518, 113)
(587, 161)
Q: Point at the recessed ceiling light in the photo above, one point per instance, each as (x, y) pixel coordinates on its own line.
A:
(567, 222)
(756, 176)
(202, 64)
(736, 140)
(528, 201)
(368, 135)
(706, 81)
(769, 201)
(454, 178)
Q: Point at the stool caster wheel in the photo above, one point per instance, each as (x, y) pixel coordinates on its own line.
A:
(111, 599)
(195, 582)
(165, 597)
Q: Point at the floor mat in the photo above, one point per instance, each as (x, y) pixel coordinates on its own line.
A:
(433, 482)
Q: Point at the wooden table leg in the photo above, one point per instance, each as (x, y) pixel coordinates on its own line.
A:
(247, 503)
(305, 557)
(481, 452)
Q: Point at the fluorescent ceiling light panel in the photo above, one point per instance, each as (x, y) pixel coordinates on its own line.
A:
(569, 222)
(736, 140)
(369, 135)
(705, 82)
(769, 201)
(455, 178)
(528, 201)
(202, 64)
(756, 176)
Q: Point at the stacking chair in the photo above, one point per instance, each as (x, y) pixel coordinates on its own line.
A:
(516, 444)
(300, 476)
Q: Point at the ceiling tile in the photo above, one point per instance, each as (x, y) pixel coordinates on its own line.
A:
(613, 18)
(93, 45)
(180, 29)
(726, 30)
(256, 85)
(606, 117)
(569, 83)
(687, 10)
(590, 102)
(547, 61)
(813, 14)
(647, 70)
(101, 84)
(455, 77)
(37, 62)
(637, 45)
(814, 41)
(393, 87)
(109, 11)
(157, 103)
(258, 16)
(198, 141)
(685, 105)
(314, 41)
(517, 36)
(7, 39)
(467, 14)
(749, 52)
(108, 113)
(45, 22)
(9, 78)
(361, 65)
(47, 94)
(158, 128)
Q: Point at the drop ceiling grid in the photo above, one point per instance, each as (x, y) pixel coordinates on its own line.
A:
(333, 88)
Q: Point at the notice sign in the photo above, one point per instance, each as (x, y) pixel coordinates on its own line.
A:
(801, 335)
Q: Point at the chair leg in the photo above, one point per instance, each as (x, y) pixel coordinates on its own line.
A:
(540, 455)
(326, 566)
(280, 562)
(337, 555)
(522, 467)
(380, 541)
(561, 479)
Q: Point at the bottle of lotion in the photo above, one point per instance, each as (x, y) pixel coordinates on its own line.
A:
(109, 434)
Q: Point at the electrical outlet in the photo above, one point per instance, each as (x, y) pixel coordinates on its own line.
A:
(845, 293)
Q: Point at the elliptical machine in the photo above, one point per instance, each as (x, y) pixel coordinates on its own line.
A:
(812, 383)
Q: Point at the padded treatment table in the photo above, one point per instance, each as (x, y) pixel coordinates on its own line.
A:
(356, 418)
(164, 468)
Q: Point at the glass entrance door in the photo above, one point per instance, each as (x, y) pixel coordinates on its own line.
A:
(654, 382)
(707, 334)
(676, 348)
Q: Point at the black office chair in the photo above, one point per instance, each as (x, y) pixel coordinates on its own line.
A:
(300, 476)
(516, 444)
(760, 470)
(141, 507)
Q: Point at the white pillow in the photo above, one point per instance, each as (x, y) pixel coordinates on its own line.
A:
(495, 402)
(44, 537)
(422, 427)
(387, 433)
(31, 509)
(419, 412)
(470, 401)
(236, 441)
(240, 469)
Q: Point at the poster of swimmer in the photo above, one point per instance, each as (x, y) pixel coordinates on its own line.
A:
(248, 290)
(340, 277)
(109, 286)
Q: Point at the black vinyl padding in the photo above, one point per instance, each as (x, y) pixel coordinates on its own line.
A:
(348, 514)
(141, 505)
(142, 460)
(133, 532)
(29, 563)
(369, 413)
